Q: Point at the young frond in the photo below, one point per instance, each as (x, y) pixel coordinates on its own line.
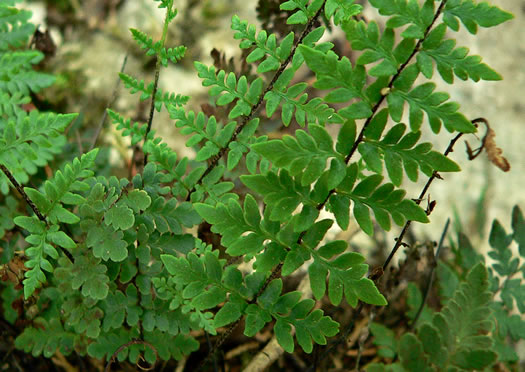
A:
(167, 99)
(156, 48)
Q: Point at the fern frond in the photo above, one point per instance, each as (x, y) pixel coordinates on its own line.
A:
(423, 98)
(46, 338)
(294, 100)
(450, 61)
(15, 29)
(86, 274)
(305, 154)
(377, 47)
(216, 135)
(167, 99)
(341, 10)
(457, 337)
(136, 131)
(57, 191)
(265, 46)
(304, 11)
(31, 142)
(338, 74)
(400, 152)
(156, 48)
(472, 14)
(407, 12)
(232, 89)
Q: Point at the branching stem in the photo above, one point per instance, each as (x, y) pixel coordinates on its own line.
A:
(435, 175)
(156, 81)
(29, 202)
(20, 189)
(361, 134)
(128, 344)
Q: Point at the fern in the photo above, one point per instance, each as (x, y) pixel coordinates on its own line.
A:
(472, 330)
(134, 268)
(57, 192)
(456, 337)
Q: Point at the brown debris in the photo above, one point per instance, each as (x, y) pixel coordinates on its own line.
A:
(494, 153)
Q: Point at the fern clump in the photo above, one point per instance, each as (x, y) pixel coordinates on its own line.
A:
(143, 267)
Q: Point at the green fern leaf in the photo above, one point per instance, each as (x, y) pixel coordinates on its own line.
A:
(472, 14)
(398, 151)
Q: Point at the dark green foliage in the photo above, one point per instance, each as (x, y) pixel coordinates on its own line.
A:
(110, 261)
(399, 151)
(481, 315)
(456, 338)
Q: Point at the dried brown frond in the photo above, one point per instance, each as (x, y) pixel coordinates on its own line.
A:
(494, 153)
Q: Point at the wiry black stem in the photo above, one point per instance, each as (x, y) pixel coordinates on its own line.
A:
(156, 81)
(361, 134)
(276, 272)
(20, 189)
(128, 344)
(376, 274)
(435, 175)
(29, 202)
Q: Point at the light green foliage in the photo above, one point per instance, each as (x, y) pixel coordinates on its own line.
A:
(473, 14)
(57, 192)
(404, 12)
(216, 135)
(31, 141)
(341, 10)
(303, 10)
(28, 141)
(295, 103)
(448, 59)
(167, 99)
(232, 89)
(338, 74)
(265, 45)
(140, 259)
(156, 48)
(305, 155)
